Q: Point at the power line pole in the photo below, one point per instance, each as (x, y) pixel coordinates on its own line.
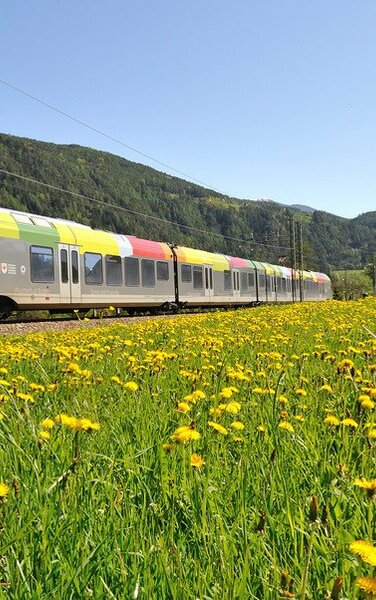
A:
(293, 257)
(300, 261)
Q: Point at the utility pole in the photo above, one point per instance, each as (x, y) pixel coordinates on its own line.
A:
(293, 257)
(300, 261)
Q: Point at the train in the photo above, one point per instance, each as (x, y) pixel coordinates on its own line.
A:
(59, 265)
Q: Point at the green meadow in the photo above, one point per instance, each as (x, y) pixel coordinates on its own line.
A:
(228, 455)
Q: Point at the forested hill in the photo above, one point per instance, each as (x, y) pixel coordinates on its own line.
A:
(329, 241)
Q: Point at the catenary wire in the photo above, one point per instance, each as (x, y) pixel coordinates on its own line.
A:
(109, 137)
(138, 213)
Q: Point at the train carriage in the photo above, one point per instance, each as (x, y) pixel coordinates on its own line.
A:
(60, 265)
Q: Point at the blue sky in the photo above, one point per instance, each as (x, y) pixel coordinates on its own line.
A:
(258, 99)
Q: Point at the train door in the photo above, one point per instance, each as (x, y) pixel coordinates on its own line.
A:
(236, 283)
(69, 274)
(209, 286)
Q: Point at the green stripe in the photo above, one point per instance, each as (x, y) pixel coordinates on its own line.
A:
(41, 236)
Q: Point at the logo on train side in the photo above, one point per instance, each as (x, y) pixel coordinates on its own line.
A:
(4, 268)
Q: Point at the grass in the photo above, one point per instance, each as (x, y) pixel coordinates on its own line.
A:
(120, 512)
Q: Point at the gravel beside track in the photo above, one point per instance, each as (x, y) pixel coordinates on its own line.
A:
(44, 326)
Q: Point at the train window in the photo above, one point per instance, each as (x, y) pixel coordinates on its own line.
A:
(279, 284)
(41, 264)
(206, 278)
(64, 265)
(41, 222)
(268, 282)
(131, 271)
(261, 280)
(227, 280)
(162, 271)
(198, 282)
(186, 273)
(93, 268)
(251, 280)
(22, 219)
(244, 282)
(211, 278)
(113, 270)
(74, 266)
(147, 273)
(284, 286)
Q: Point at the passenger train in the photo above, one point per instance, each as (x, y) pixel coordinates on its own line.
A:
(60, 265)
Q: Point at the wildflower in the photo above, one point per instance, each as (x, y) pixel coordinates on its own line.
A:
(226, 392)
(299, 418)
(364, 398)
(237, 425)
(367, 404)
(185, 434)
(285, 425)
(282, 399)
(4, 490)
(367, 584)
(183, 407)
(372, 434)
(233, 407)
(131, 386)
(197, 461)
(365, 550)
(366, 484)
(217, 427)
(326, 388)
(44, 435)
(331, 420)
(47, 423)
(167, 447)
(349, 423)
(301, 392)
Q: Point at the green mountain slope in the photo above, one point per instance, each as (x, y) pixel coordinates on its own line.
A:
(329, 241)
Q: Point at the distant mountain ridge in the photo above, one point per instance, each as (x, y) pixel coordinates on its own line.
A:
(253, 229)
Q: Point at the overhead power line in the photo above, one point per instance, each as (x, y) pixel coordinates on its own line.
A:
(109, 137)
(138, 213)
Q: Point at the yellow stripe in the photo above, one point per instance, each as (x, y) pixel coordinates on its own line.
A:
(8, 226)
(94, 240)
(65, 233)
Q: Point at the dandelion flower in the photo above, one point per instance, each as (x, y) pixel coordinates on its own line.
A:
(197, 461)
(331, 420)
(233, 408)
(47, 423)
(4, 490)
(185, 434)
(365, 550)
(367, 584)
(261, 428)
(367, 404)
(366, 484)
(349, 423)
(131, 386)
(183, 407)
(44, 435)
(285, 425)
(237, 425)
(217, 427)
(372, 434)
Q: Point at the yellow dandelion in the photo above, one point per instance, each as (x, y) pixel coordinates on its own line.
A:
(131, 386)
(226, 393)
(372, 434)
(364, 398)
(197, 461)
(366, 484)
(47, 423)
(167, 447)
(183, 407)
(367, 404)
(44, 435)
(282, 399)
(326, 388)
(365, 550)
(185, 434)
(301, 392)
(299, 418)
(4, 490)
(349, 423)
(237, 425)
(332, 421)
(367, 584)
(286, 425)
(233, 408)
(261, 428)
(217, 427)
